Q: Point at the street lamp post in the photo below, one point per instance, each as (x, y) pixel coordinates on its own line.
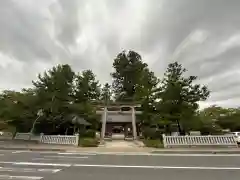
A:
(39, 114)
(76, 121)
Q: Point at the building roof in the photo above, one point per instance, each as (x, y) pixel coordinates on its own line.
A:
(116, 104)
(79, 120)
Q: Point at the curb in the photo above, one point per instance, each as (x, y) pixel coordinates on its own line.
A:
(196, 152)
(34, 149)
(127, 152)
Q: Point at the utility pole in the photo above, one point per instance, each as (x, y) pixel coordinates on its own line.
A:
(39, 114)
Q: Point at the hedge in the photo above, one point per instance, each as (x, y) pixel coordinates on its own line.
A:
(153, 143)
(89, 142)
(152, 133)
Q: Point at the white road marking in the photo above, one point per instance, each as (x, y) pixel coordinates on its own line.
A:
(16, 152)
(34, 164)
(53, 170)
(59, 158)
(37, 152)
(128, 153)
(44, 159)
(156, 167)
(197, 155)
(70, 157)
(2, 150)
(6, 162)
(13, 169)
(148, 154)
(104, 153)
(114, 166)
(40, 164)
(20, 177)
(77, 153)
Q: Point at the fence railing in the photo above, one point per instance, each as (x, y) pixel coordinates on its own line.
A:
(6, 135)
(23, 136)
(211, 140)
(60, 139)
(47, 139)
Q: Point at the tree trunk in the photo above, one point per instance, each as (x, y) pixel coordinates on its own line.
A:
(66, 131)
(181, 131)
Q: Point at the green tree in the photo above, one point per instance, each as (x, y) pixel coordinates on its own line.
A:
(106, 93)
(87, 87)
(230, 120)
(179, 96)
(18, 109)
(86, 91)
(132, 80)
(54, 90)
(226, 118)
(204, 123)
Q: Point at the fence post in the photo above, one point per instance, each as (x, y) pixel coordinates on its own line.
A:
(41, 136)
(77, 139)
(164, 140)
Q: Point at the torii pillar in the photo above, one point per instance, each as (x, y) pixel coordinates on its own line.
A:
(134, 126)
(104, 122)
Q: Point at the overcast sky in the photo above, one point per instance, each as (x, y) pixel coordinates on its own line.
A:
(204, 35)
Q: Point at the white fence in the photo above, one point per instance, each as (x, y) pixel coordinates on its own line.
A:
(49, 139)
(6, 135)
(60, 139)
(23, 136)
(18, 136)
(178, 141)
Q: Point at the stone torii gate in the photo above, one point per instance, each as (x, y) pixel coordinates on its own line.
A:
(120, 117)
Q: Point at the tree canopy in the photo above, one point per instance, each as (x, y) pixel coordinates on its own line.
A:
(170, 103)
(179, 96)
(132, 79)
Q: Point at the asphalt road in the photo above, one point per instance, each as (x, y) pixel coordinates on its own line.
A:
(23, 165)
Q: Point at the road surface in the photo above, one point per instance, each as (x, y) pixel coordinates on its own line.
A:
(26, 165)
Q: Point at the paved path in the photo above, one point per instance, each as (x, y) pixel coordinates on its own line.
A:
(26, 165)
(123, 144)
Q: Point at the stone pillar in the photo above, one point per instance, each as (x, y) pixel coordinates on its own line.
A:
(41, 137)
(134, 127)
(77, 139)
(104, 122)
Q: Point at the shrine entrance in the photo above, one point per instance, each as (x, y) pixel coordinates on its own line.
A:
(118, 123)
(119, 130)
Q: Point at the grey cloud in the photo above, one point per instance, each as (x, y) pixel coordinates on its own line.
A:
(220, 72)
(171, 21)
(226, 95)
(225, 82)
(88, 34)
(220, 64)
(67, 20)
(22, 33)
(176, 20)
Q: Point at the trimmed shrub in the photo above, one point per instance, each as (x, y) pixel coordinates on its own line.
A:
(90, 133)
(152, 133)
(153, 143)
(89, 142)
